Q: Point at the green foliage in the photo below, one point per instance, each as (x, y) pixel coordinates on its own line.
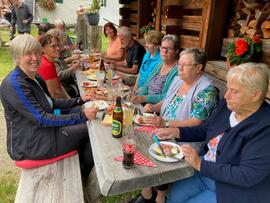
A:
(94, 7)
(146, 28)
(244, 49)
(6, 62)
(8, 188)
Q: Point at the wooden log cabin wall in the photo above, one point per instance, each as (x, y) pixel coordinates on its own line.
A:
(208, 24)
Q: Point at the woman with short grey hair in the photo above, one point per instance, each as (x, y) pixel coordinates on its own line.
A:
(235, 163)
(159, 80)
(35, 130)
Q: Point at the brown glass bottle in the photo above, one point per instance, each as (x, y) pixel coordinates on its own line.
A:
(117, 120)
(102, 66)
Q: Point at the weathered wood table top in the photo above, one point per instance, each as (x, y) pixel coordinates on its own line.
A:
(112, 177)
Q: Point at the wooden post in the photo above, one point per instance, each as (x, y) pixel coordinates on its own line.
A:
(94, 34)
(81, 31)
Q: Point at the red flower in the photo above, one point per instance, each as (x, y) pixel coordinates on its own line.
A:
(241, 47)
(256, 39)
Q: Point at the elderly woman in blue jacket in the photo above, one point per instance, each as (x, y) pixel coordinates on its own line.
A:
(159, 80)
(34, 130)
(236, 164)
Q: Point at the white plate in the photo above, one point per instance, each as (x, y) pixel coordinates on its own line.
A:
(152, 148)
(88, 84)
(136, 120)
(92, 77)
(100, 104)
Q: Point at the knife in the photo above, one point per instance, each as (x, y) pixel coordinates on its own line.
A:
(158, 143)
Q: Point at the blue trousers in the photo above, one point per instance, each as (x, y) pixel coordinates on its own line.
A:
(196, 189)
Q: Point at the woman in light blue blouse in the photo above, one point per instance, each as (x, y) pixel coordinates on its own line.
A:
(189, 101)
(151, 58)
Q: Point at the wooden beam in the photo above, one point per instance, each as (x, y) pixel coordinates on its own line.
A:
(158, 14)
(188, 41)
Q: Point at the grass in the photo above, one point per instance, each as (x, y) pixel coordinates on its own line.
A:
(8, 187)
(8, 182)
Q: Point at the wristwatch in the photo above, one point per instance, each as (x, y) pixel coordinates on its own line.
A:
(167, 124)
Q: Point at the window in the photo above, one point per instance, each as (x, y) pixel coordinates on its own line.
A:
(103, 3)
(59, 1)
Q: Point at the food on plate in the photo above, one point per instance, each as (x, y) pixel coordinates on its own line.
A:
(86, 84)
(169, 150)
(101, 91)
(99, 104)
(141, 121)
(109, 109)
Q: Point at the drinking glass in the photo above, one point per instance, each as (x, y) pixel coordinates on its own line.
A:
(91, 59)
(110, 93)
(128, 148)
(128, 111)
(100, 78)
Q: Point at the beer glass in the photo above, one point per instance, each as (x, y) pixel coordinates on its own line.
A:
(128, 111)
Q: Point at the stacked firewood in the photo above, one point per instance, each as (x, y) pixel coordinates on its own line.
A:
(252, 17)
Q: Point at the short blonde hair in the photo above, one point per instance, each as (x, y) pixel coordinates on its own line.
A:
(153, 37)
(22, 45)
(253, 76)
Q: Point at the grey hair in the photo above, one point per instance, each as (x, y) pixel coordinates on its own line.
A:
(23, 44)
(254, 76)
(59, 22)
(126, 31)
(199, 56)
(174, 39)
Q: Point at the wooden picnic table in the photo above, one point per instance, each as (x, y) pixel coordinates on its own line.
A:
(112, 177)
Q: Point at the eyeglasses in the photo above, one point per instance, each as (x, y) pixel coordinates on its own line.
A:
(182, 64)
(53, 46)
(166, 48)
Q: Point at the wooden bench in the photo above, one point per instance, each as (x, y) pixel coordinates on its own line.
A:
(57, 182)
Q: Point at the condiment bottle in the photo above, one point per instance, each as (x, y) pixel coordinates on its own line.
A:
(117, 120)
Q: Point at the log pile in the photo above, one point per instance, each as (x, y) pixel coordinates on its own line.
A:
(252, 17)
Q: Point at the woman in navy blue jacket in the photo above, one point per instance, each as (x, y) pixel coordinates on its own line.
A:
(34, 131)
(236, 164)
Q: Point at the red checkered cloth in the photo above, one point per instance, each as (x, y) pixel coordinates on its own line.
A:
(139, 159)
(146, 129)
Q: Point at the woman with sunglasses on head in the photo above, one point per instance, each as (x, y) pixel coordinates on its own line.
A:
(159, 80)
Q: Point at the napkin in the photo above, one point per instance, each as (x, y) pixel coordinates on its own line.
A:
(139, 159)
(146, 129)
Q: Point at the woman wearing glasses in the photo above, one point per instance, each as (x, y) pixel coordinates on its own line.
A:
(190, 100)
(191, 96)
(50, 52)
(159, 80)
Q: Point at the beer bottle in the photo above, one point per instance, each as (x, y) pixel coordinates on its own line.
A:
(80, 45)
(117, 120)
(102, 66)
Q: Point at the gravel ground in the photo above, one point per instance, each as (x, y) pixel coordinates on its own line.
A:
(7, 166)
